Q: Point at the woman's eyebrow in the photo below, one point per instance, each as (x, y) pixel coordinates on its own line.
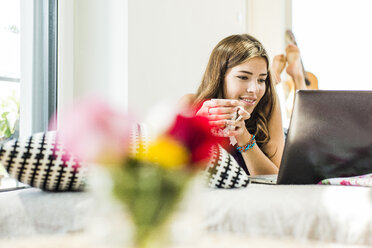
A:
(250, 73)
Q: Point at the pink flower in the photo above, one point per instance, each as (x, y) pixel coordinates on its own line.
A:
(95, 132)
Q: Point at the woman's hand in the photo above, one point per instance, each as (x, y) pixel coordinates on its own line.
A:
(226, 115)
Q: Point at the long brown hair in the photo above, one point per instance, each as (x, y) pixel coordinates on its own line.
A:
(230, 52)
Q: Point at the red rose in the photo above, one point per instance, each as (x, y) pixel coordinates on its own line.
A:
(195, 134)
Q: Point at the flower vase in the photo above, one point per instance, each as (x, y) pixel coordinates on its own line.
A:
(150, 194)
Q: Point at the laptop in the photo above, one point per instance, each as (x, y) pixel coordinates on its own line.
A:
(330, 135)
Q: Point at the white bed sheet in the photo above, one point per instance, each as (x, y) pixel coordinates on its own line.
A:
(341, 214)
(330, 214)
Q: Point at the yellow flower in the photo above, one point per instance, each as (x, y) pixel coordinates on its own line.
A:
(166, 152)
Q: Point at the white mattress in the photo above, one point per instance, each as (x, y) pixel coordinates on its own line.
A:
(30, 211)
(336, 214)
(340, 214)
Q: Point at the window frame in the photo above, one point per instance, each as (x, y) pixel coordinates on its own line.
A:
(39, 63)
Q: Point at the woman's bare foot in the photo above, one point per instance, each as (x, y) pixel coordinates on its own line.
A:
(294, 67)
(277, 67)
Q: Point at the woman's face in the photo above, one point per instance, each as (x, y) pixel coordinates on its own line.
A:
(246, 82)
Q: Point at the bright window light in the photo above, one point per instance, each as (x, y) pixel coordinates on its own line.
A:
(335, 41)
(9, 66)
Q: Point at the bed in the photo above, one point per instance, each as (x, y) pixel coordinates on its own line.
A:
(289, 214)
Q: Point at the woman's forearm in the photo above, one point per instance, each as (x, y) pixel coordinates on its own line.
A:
(255, 159)
(258, 163)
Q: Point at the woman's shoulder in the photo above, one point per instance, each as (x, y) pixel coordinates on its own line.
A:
(187, 100)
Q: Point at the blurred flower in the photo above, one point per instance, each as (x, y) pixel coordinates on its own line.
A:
(166, 152)
(95, 132)
(150, 180)
(195, 133)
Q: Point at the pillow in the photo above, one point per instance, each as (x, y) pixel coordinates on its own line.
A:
(362, 180)
(223, 171)
(41, 162)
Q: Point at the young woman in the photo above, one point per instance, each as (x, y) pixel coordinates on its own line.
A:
(237, 80)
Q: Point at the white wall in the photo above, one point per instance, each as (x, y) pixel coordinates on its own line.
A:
(100, 48)
(137, 52)
(93, 51)
(170, 42)
(267, 21)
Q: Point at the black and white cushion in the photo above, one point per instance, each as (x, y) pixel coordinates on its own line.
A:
(42, 162)
(224, 172)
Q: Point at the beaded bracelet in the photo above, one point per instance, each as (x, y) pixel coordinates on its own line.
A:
(248, 146)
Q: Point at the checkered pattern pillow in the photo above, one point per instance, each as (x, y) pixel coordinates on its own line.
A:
(224, 172)
(41, 162)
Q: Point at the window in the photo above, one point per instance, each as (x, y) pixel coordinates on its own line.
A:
(9, 67)
(334, 41)
(28, 67)
(38, 65)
